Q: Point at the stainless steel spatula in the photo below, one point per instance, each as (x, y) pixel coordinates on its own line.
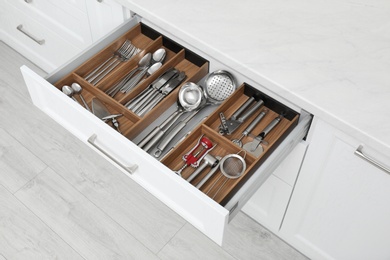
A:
(101, 111)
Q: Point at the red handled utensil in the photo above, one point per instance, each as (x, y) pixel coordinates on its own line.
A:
(196, 154)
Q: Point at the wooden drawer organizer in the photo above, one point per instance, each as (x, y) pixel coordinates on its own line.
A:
(225, 146)
(148, 40)
(195, 68)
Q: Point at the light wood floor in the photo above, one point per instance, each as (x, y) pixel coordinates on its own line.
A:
(60, 200)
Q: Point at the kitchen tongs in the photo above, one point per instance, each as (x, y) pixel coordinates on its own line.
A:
(229, 126)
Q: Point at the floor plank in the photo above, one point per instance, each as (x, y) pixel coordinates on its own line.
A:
(24, 236)
(190, 243)
(10, 73)
(92, 233)
(17, 164)
(126, 202)
(246, 239)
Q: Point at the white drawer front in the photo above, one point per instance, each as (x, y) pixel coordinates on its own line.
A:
(193, 205)
(177, 193)
(70, 24)
(50, 54)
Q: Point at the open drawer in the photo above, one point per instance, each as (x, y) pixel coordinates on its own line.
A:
(209, 215)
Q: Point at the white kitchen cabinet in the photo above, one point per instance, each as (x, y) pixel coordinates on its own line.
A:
(195, 206)
(49, 33)
(269, 204)
(340, 208)
(104, 15)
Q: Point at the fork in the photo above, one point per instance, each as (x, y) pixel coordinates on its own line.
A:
(124, 57)
(119, 56)
(116, 53)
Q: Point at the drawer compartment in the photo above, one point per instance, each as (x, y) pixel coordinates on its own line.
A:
(208, 214)
(219, 187)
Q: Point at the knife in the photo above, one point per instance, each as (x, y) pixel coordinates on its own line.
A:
(154, 86)
(164, 91)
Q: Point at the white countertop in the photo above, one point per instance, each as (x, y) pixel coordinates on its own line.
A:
(329, 57)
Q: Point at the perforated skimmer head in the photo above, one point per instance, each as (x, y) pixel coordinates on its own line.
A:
(220, 85)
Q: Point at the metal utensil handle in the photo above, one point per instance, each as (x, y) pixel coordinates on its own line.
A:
(130, 169)
(148, 137)
(215, 182)
(29, 35)
(85, 103)
(220, 187)
(242, 108)
(144, 100)
(270, 126)
(135, 80)
(251, 111)
(98, 68)
(92, 78)
(146, 104)
(151, 104)
(109, 69)
(127, 78)
(167, 121)
(211, 173)
(154, 140)
(197, 171)
(359, 152)
(254, 123)
(172, 133)
(132, 103)
(117, 87)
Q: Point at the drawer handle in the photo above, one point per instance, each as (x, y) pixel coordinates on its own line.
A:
(129, 169)
(20, 28)
(359, 152)
(28, 1)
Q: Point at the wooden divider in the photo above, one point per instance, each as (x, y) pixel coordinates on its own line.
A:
(218, 186)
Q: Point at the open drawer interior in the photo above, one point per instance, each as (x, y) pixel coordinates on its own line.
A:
(132, 124)
(147, 41)
(219, 187)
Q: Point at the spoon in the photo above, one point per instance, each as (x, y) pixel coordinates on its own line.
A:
(189, 99)
(77, 90)
(142, 64)
(69, 92)
(157, 57)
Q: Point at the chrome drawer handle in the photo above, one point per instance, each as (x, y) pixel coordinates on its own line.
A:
(20, 28)
(129, 169)
(359, 152)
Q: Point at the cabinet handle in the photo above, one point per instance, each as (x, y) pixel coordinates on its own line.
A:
(100, 1)
(129, 169)
(20, 28)
(28, 1)
(359, 152)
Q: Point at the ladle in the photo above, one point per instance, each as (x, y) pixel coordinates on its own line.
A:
(77, 90)
(219, 85)
(143, 63)
(158, 56)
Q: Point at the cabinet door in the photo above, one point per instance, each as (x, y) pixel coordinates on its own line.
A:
(340, 208)
(104, 16)
(269, 204)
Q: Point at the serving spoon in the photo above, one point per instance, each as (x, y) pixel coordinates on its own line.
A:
(77, 89)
